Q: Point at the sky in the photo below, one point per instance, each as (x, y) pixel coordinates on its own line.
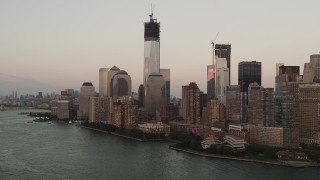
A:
(51, 45)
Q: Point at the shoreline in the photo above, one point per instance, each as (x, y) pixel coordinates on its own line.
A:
(123, 136)
(242, 159)
(205, 154)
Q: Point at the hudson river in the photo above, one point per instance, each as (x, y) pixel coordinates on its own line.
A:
(61, 151)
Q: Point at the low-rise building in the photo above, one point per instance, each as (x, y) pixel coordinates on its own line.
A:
(210, 140)
(235, 142)
(155, 128)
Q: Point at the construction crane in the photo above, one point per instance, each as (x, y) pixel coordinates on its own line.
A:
(212, 42)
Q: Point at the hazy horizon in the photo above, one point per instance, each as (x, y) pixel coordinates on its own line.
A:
(61, 44)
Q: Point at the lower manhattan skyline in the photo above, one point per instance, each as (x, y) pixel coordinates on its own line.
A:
(53, 45)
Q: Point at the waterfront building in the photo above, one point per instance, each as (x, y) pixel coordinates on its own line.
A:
(191, 103)
(166, 76)
(272, 136)
(120, 85)
(103, 81)
(235, 142)
(209, 141)
(155, 93)
(54, 107)
(240, 130)
(249, 72)
(151, 48)
(86, 90)
(224, 51)
(63, 111)
(234, 106)
(124, 113)
(211, 75)
(215, 112)
(155, 128)
(99, 108)
(222, 79)
(309, 113)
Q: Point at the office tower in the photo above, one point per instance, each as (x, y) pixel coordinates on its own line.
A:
(249, 72)
(234, 105)
(141, 95)
(260, 105)
(222, 79)
(278, 65)
(224, 51)
(309, 113)
(103, 81)
(155, 93)
(315, 65)
(307, 73)
(120, 85)
(191, 103)
(215, 112)
(288, 75)
(255, 104)
(151, 48)
(113, 71)
(86, 90)
(211, 75)
(166, 75)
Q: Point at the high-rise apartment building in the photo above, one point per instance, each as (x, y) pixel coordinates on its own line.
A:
(191, 103)
(151, 48)
(224, 51)
(249, 72)
(99, 108)
(233, 104)
(86, 90)
(215, 112)
(309, 113)
(260, 105)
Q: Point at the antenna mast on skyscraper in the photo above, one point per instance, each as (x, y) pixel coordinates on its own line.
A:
(151, 15)
(212, 42)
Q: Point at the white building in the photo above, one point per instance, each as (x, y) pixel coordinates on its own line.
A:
(103, 81)
(222, 79)
(235, 142)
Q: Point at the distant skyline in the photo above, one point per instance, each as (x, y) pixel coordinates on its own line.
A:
(61, 44)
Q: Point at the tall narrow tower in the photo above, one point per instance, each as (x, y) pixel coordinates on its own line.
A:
(151, 48)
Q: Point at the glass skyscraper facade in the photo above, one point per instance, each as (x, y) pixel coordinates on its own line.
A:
(151, 48)
(249, 72)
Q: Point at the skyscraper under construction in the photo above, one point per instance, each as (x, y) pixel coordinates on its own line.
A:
(151, 48)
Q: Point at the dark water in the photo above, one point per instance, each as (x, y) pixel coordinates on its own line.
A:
(61, 151)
